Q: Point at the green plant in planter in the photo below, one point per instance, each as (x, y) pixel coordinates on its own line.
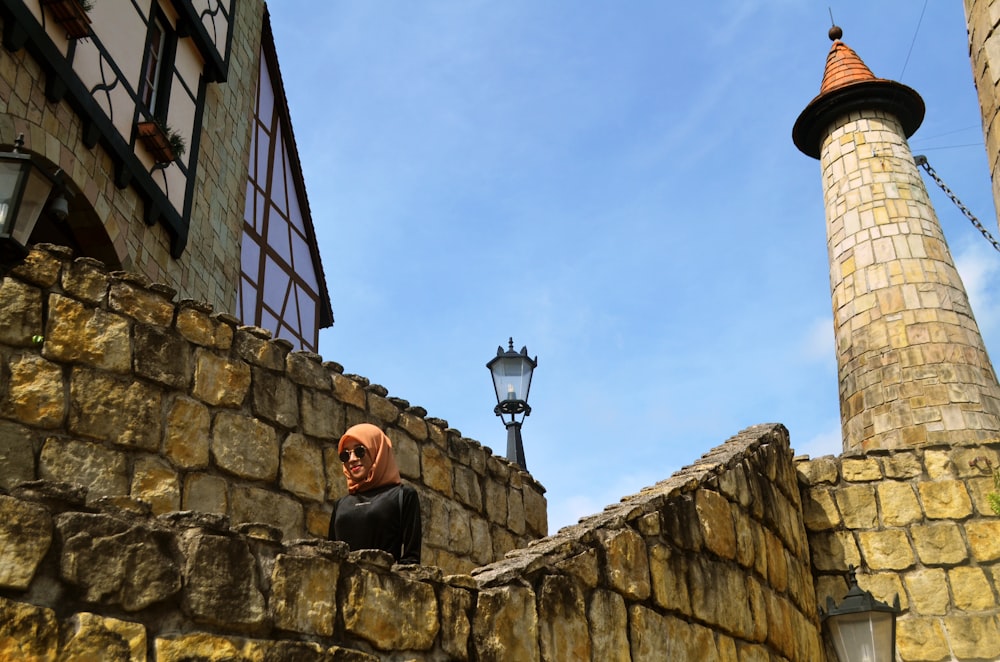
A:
(177, 144)
(174, 138)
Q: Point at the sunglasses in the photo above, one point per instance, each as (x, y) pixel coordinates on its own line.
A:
(359, 452)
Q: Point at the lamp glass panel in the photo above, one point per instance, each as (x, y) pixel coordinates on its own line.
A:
(10, 183)
(32, 202)
(863, 636)
(511, 378)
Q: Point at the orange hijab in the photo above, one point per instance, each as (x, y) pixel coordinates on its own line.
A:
(379, 446)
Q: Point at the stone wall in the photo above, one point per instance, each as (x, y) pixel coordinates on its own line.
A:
(919, 525)
(107, 383)
(983, 18)
(710, 564)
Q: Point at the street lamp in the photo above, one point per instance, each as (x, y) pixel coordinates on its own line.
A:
(24, 187)
(512, 381)
(862, 628)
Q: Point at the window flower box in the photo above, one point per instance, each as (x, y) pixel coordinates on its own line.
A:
(71, 15)
(163, 143)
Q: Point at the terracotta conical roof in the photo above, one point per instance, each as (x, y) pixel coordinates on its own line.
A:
(849, 85)
(843, 67)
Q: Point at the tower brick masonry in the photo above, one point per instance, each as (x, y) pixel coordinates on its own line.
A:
(913, 368)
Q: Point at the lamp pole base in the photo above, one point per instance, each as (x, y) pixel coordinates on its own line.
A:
(515, 449)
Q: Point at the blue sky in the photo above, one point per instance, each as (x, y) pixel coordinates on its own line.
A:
(615, 186)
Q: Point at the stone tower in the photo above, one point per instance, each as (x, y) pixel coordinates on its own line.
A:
(912, 365)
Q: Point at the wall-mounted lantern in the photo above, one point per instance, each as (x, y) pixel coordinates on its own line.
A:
(512, 380)
(24, 188)
(862, 628)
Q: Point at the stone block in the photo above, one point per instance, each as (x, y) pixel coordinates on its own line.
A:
(928, 591)
(244, 446)
(496, 502)
(27, 632)
(407, 453)
(459, 530)
(608, 620)
(945, 499)
(657, 637)
(251, 505)
(17, 454)
(322, 416)
(162, 356)
(857, 505)
(348, 391)
(199, 327)
(535, 511)
(415, 426)
(186, 438)
(970, 589)
(456, 607)
(505, 625)
(220, 381)
(205, 493)
(984, 539)
(819, 510)
(382, 409)
(155, 482)
(860, 470)
(938, 464)
(306, 369)
(25, 537)
(668, 573)
(102, 471)
(259, 351)
(834, 551)
(302, 468)
(515, 511)
(939, 543)
(716, 521)
(973, 637)
(898, 503)
(85, 279)
(20, 313)
(94, 637)
(304, 594)
(777, 567)
(467, 489)
(437, 469)
(625, 563)
(336, 481)
(275, 398)
(143, 305)
(902, 465)
(390, 612)
(35, 392)
(583, 568)
(126, 413)
(221, 587)
(563, 633)
(77, 333)
(113, 562)
(886, 550)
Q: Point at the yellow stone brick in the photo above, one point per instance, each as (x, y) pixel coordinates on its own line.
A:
(886, 550)
(922, 639)
(945, 499)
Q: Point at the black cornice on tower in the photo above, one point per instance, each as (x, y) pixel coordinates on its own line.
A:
(850, 86)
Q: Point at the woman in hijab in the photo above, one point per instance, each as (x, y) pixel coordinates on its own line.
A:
(379, 512)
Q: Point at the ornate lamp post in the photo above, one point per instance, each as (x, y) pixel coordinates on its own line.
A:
(24, 187)
(512, 381)
(862, 628)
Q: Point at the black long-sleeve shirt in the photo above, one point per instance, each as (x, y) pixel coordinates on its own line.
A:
(386, 518)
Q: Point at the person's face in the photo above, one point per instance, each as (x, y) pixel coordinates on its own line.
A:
(358, 467)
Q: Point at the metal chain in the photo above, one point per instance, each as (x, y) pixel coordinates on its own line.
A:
(921, 161)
